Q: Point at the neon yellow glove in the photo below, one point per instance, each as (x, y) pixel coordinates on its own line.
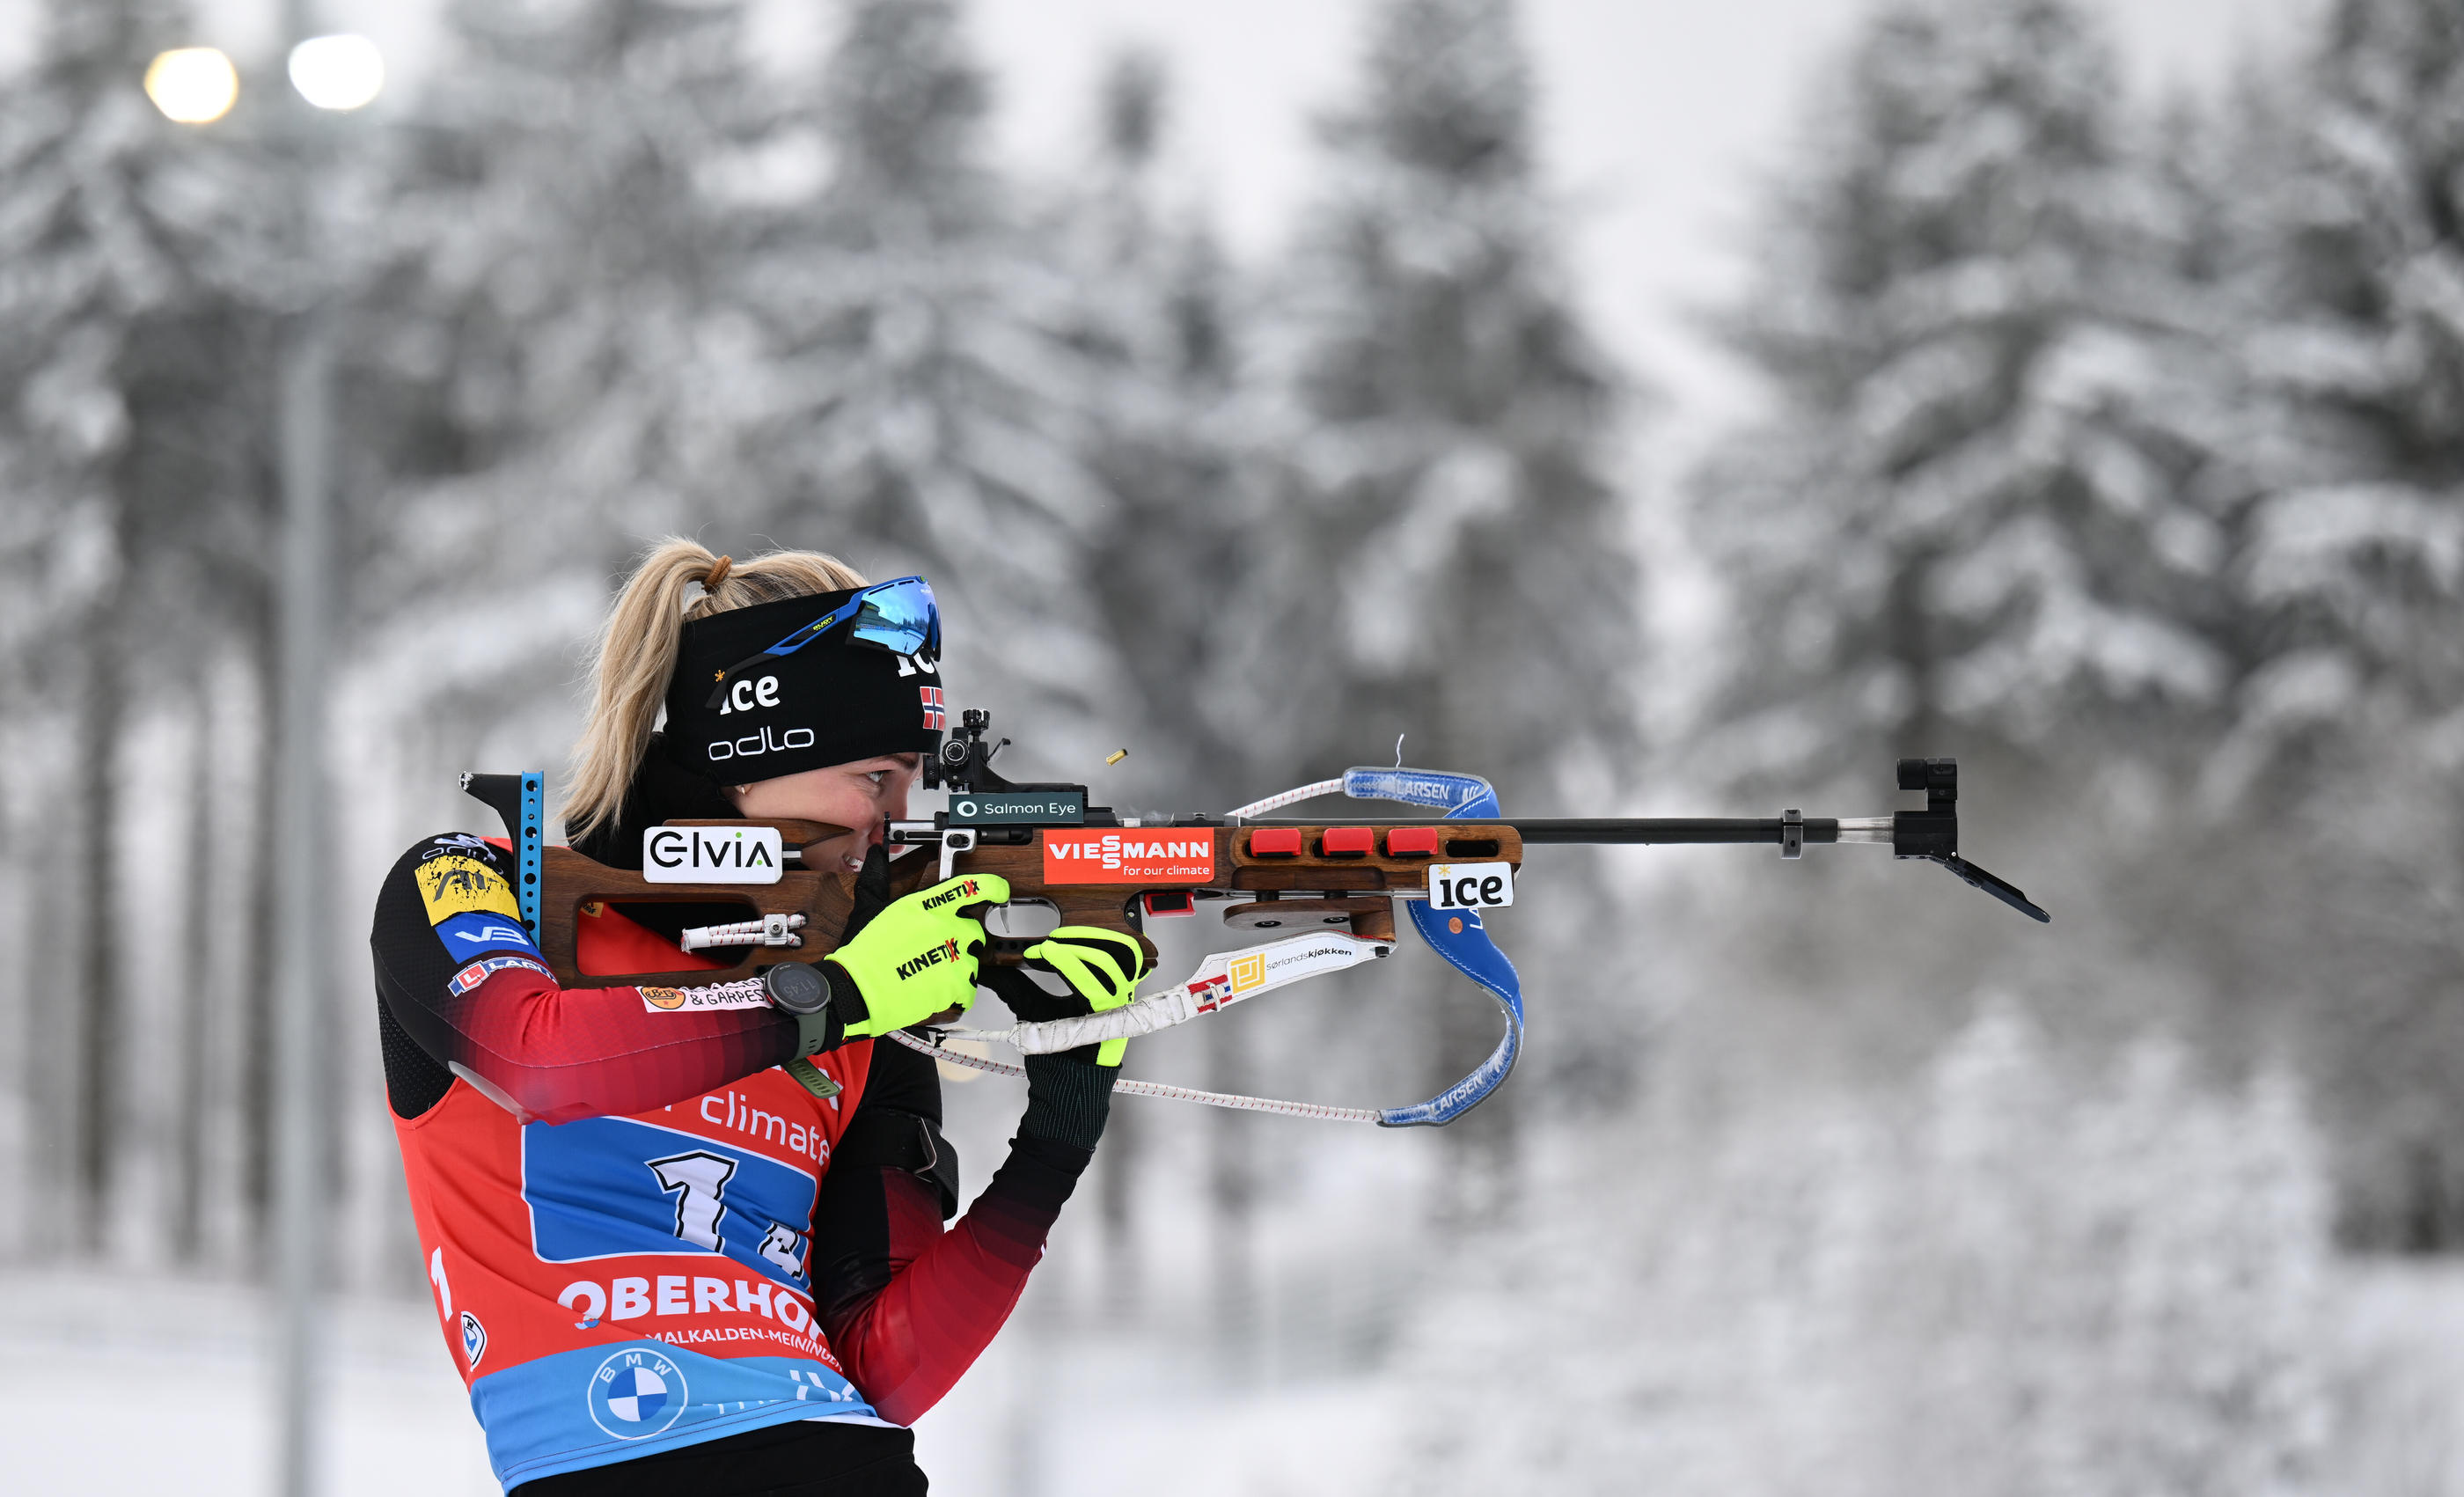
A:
(918, 957)
(1102, 966)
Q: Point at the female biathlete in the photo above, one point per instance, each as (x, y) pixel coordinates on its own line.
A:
(691, 1240)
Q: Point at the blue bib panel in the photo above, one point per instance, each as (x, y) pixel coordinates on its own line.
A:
(601, 1404)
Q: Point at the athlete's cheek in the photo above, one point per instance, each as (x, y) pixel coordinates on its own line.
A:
(842, 854)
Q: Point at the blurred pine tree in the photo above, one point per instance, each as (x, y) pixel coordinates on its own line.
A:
(2348, 573)
(2017, 1277)
(1158, 324)
(1438, 559)
(2354, 554)
(1979, 503)
(1447, 559)
(135, 367)
(560, 239)
(925, 403)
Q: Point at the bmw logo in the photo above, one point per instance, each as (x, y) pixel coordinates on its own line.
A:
(636, 1393)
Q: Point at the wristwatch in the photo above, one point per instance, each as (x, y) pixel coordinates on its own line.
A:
(796, 988)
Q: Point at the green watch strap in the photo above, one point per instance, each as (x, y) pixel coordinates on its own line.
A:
(812, 1078)
(818, 1031)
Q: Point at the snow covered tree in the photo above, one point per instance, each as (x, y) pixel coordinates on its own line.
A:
(545, 353)
(921, 403)
(2025, 1276)
(2355, 552)
(1973, 505)
(2349, 557)
(1445, 560)
(1155, 325)
(2346, 596)
(1157, 310)
(540, 361)
(134, 369)
(1434, 546)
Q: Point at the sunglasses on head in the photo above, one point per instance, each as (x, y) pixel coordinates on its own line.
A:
(898, 616)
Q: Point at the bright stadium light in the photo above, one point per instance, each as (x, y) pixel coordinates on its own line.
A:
(194, 85)
(342, 72)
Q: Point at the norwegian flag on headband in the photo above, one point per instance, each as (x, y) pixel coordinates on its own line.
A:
(931, 697)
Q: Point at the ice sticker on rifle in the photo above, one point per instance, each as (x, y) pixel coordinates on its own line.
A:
(455, 885)
(1470, 886)
(711, 854)
(745, 994)
(1174, 856)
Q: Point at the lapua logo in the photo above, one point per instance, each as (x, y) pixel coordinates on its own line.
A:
(711, 854)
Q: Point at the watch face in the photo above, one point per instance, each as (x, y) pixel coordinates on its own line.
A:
(796, 987)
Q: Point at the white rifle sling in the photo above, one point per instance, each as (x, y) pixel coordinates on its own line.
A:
(1224, 979)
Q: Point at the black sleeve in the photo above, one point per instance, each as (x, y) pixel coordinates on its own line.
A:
(462, 982)
(902, 1079)
(897, 1124)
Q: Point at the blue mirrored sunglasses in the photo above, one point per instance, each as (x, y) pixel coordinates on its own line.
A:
(898, 616)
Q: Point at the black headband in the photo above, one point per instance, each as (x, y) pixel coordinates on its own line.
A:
(831, 702)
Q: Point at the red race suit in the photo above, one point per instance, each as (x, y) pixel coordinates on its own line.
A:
(642, 1234)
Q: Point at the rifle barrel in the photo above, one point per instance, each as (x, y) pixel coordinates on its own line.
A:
(1660, 830)
(1666, 830)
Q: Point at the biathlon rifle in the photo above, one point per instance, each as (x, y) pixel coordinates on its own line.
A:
(1319, 893)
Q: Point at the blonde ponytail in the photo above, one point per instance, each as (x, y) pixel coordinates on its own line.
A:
(637, 653)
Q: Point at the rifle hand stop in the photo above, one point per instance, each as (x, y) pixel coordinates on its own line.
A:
(1933, 833)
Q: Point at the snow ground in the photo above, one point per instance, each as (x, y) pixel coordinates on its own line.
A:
(115, 1383)
(1140, 1419)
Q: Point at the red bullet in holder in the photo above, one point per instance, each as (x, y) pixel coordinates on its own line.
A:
(1350, 841)
(1275, 841)
(1411, 842)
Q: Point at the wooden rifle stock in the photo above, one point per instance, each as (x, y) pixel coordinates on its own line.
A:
(1308, 888)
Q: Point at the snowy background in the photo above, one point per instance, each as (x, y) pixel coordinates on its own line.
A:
(1659, 410)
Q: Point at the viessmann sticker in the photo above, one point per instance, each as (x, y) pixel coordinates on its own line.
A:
(1159, 855)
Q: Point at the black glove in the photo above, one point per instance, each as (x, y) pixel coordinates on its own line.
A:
(1102, 968)
(1069, 1093)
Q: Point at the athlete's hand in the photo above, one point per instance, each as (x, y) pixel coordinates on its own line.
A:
(1102, 968)
(1069, 1093)
(918, 957)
